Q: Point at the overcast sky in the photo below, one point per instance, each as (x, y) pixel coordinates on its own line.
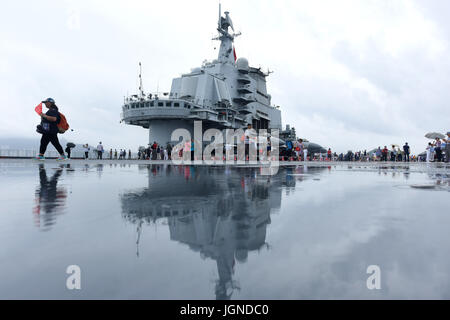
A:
(347, 74)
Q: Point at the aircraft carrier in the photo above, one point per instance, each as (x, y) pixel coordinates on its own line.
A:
(226, 93)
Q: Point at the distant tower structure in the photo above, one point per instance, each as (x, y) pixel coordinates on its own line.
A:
(288, 134)
(141, 87)
(226, 93)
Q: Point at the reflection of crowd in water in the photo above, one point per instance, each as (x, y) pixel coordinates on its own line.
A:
(438, 177)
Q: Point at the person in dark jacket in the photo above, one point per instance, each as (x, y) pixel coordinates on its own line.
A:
(447, 147)
(169, 150)
(406, 150)
(49, 130)
(68, 150)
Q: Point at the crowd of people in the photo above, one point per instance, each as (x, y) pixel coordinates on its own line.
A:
(156, 151)
(100, 150)
(438, 150)
(296, 150)
(394, 154)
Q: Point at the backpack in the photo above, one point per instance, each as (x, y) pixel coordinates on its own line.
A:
(63, 125)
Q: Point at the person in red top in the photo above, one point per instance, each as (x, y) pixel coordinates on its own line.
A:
(329, 154)
(384, 153)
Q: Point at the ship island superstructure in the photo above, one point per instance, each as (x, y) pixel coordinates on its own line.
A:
(226, 93)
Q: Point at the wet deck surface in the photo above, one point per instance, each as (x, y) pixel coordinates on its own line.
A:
(142, 230)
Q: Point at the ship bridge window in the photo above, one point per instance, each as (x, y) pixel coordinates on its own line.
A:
(176, 104)
(160, 104)
(147, 104)
(168, 104)
(152, 104)
(133, 106)
(141, 105)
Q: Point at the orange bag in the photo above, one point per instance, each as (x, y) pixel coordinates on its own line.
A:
(63, 125)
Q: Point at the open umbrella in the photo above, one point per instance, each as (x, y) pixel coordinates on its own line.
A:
(70, 145)
(434, 135)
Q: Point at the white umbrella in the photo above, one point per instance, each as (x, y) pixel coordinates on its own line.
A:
(434, 135)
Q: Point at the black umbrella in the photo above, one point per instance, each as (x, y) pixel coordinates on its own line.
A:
(70, 145)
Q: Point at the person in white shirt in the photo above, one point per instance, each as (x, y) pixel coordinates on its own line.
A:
(429, 147)
(250, 143)
(86, 151)
(100, 151)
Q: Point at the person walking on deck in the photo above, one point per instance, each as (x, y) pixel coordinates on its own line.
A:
(49, 130)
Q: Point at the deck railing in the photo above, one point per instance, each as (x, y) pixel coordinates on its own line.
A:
(31, 153)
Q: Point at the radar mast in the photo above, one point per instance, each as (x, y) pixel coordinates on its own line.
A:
(141, 87)
(226, 52)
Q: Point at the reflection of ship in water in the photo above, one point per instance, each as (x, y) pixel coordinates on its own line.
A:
(221, 213)
(50, 198)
